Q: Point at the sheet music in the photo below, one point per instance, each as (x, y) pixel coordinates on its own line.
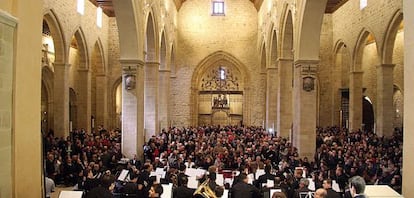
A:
(259, 172)
(250, 178)
(167, 190)
(70, 194)
(122, 176)
(335, 186)
(192, 182)
(311, 184)
(220, 179)
(270, 183)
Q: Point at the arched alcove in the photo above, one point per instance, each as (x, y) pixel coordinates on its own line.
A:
(218, 89)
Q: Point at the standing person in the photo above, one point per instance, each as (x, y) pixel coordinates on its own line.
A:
(357, 187)
(244, 190)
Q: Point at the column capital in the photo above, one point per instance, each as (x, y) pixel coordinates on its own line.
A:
(165, 70)
(391, 66)
(152, 63)
(131, 62)
(356, 72)
(281, 59)
(61, 65)
(271, 69)
(299, 63)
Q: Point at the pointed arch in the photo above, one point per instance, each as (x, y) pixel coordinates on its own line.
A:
(263, 58)
(219, 57)
(309, 29)
(163, 53)
(359, 49)
(286, 44)
(80, 39)
(98, 58)
(273, 50)
(57, 35)
(151, 46)
(391, 33)
(129, 26)
(172, 64)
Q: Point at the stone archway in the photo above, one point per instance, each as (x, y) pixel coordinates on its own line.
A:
(220, 91)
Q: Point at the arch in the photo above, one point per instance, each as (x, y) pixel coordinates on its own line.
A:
(130, 44)
(163, 53)
(47, 95)
(172, 66)
(273, 50)
(286, 44)
(263, 59)
(112, 108)
(340, 84)
(79, 37)
(359, 49)
(309, 29)
(389, 39)
(204, 65)
(398, 107)
(151, 47)
(57, 35)
(98, 59)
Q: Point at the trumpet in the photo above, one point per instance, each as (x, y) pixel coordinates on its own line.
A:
(204, 191)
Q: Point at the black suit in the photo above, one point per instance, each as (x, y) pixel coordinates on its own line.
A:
(99, 192)
(183, 192)
(244, 190)
(263, 179)
(332, 194)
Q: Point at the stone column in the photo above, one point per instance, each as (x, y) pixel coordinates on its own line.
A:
(61, 99)
(271, 98)
(101, 117)
(304, 107)
(151, 99)
(284, 101)
(84, 100)
(355, 100)
(385, 92)
(164, 94)
(408, 154)
(132, 108)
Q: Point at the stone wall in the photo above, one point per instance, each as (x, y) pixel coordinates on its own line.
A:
(199, 35)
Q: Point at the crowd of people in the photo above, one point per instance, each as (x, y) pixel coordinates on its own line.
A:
(82, 158)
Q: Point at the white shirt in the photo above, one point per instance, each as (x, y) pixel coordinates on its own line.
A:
(49, 186)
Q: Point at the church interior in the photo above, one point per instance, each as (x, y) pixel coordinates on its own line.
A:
(137, 73)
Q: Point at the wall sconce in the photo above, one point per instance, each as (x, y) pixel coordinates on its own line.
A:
(129, 82)
(308, 83)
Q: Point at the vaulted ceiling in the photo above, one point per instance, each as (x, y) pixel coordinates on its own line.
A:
(108, 9)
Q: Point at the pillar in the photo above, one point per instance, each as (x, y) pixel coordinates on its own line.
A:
(84, 100)
(355, 100)
(151, 99)
(101, 117)
(132, 108)
(284, 101)
(408, 154)
(271, 97)
(164, 94)
(304, 107)
(61, 99)
(385, 92)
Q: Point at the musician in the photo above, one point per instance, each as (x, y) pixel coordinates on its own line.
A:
(244, 190)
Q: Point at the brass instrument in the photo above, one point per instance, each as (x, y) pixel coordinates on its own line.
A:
(205, 191)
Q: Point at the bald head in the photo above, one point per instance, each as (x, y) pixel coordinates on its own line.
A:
(320, 193)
